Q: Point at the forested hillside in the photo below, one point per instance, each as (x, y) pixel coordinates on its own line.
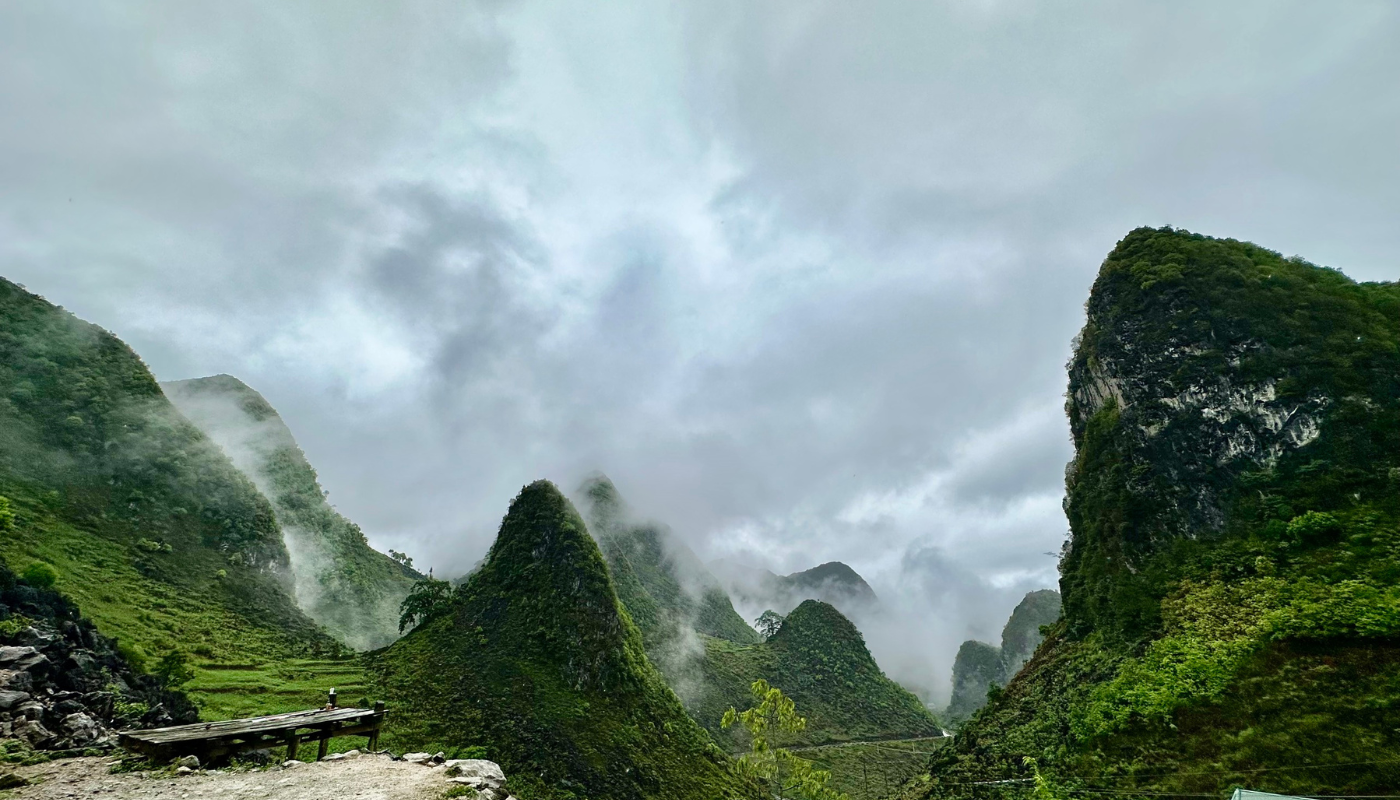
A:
(665, 588)
(819, 659)
(340, 581)
(980, 666)
(1231, 610)
(534, 659)
(151, 529)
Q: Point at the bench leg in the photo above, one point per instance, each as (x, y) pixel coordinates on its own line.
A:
(373, 746)
(321, 750)
(292, 746)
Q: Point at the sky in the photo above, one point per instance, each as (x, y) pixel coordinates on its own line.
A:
(800, 277)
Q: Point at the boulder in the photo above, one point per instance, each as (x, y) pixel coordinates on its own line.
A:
(9, 655)
(476, 772)
(83, 730)
(417, 758)
(10, 699)
(192, 762)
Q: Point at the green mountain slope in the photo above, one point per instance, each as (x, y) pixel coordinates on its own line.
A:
(535, 660)
(1232, 615)
(819, 659)
(341, 582)
(663, 585)
(979, 666)
(155, 534)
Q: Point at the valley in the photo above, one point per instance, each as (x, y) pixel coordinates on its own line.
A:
(1226, 613)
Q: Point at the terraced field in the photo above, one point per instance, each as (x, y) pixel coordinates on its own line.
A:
(873, 770)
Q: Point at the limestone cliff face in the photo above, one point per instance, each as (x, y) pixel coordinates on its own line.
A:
(1211, 373)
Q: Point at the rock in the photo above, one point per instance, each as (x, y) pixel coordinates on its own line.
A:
(417, 758)
(473, 771)
(84, 730)
(351, 754)
(293, 764)
(9, 655)
(183, 770)
(10, 699)
(192, 762)
(334, 757)
(30, 709)
(31, 731)
(439, 757)
(16, 681)
(9, 780)
(37, 664)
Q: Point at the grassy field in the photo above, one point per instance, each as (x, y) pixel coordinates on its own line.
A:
(873, 770)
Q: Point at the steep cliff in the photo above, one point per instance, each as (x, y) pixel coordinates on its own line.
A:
(1231, 615)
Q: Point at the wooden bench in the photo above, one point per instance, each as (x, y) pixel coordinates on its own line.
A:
(215, 741)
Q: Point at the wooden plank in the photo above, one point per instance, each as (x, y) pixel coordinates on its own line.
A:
(188, 733)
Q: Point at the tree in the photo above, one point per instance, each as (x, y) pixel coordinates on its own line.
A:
(426, 598)
(1043, 790)
(768, 623)
(174, 669)
(772, 717)
(402, 558)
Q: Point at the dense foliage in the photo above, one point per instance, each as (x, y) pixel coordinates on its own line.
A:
(772, 718)
(819, 659)
(341, 582)
(535, 660)
(1230, 593)
(150, 527)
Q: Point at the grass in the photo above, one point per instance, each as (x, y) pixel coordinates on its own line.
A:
(873, 770)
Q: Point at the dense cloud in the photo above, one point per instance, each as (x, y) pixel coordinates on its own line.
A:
(801, 277)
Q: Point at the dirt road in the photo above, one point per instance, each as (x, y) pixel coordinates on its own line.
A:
(363, 778)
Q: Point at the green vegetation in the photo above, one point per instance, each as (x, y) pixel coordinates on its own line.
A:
(820, 660)
(97, 467)
(665, 587)
(872, 770)
(341, 582)
(772, 718)
(1231, 611)
(427, 597)
(980, 667)
(535, 660)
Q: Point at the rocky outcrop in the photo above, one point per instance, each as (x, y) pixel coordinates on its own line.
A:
(64, 686)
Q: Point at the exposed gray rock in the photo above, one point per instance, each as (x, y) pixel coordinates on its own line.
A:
(10, 699)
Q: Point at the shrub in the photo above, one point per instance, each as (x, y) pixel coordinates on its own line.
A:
(40, 575)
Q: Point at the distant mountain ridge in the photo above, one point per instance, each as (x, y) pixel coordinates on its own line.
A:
(819, 659)
(979, 666)
(756, 589)
(341, 582)
(669, 592)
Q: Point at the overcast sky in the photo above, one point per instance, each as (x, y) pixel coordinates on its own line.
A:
(801, 277)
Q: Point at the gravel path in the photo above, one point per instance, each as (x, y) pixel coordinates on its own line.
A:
(363, 778)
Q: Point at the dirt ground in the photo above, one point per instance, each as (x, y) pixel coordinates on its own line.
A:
(363, 778)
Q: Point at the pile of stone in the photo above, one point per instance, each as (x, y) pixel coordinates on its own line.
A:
(64, 687)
